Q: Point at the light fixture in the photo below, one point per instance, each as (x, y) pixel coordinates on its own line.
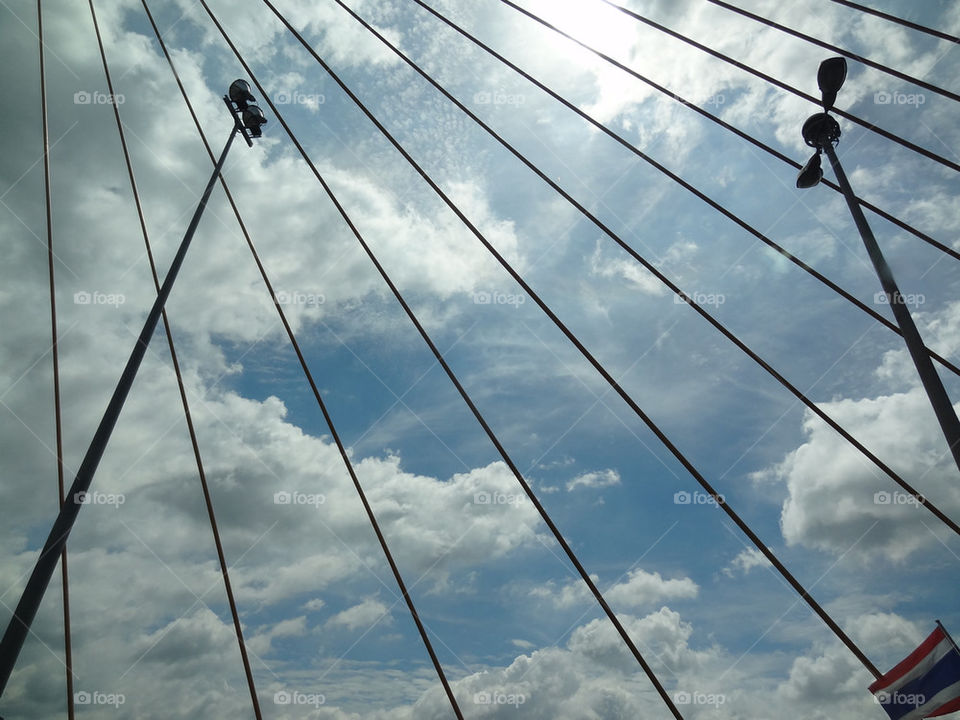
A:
(240, 94)
(811, 174)
(820, 130)
(252, 119)
(247, 117)
(830, 77)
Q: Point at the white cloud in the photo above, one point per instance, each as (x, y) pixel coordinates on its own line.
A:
(831, 677)
(817, 677)
(745, 561)
(837, 500)
(573, 594)
(600, 678)
(595, 479)
(640, 589)
(609, 263)
(293, 627)
(643, 588)
(314, 605)
(261, 35)
(371, 611)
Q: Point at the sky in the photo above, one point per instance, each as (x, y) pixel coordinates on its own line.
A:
(515, 628)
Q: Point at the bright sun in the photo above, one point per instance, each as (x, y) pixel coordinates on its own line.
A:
(591, 21)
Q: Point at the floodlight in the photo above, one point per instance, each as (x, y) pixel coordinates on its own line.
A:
(240, 94)
(252, 120)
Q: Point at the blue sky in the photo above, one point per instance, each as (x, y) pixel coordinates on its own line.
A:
(503, 606)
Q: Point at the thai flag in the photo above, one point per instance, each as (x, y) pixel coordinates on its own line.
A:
(925, 684)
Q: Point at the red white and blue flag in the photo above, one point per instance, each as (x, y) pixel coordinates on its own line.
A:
(925, 684)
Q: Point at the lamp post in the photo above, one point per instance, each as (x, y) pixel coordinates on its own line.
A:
(822, 132)
(247, 119)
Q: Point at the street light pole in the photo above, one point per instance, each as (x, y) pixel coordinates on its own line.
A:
(822, 132)
(939, 399)
(246, 120)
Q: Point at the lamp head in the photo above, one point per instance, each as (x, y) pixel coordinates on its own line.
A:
(252, 120)
(830, 78)
(240, 94)
(811, 173)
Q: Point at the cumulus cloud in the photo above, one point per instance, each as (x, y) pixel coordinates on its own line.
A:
(601, 678)
(837, 500)
(642, 588)
(831, 674)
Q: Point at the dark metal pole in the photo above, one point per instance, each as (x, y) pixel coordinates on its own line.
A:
(32, 595)
(921, 359)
